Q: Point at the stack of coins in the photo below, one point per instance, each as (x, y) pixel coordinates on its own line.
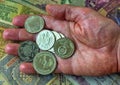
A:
(48, 43)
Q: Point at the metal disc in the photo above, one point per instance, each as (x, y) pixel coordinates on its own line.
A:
(44, 63)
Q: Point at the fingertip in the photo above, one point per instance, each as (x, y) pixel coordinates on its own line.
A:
(11, 34)
(11, 49)
(19, 20)
(27, 68)
(5, 34)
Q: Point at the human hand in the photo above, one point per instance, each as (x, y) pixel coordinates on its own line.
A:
(95, 37)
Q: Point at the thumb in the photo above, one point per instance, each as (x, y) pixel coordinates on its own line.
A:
(67, 12)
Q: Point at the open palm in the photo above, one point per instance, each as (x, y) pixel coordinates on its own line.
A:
(95, 38)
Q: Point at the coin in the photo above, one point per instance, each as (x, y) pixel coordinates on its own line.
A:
(61, 35)
(28, 50)
(57, 35)
(45, 40)
(64, 47)
(52, 50)
(34, 24)
(44, 63)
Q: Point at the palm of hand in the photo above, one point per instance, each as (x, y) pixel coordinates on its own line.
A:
(95, 38)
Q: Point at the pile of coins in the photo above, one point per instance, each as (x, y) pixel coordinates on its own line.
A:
(48, 44)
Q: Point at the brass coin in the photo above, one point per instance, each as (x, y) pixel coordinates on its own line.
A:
(64, 47)
(44, 63)
(34, 24)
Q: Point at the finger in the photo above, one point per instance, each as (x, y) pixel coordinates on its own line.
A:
(18, 34)
(27, 68)
(64, 66)
(12, 49)
(56, 25)
(50, 22)
(19, 20)
(67, 12)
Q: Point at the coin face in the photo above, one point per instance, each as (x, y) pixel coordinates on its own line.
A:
(44, 63)
(64, 47)
(34, 24)
(45, 40)
(28, 50)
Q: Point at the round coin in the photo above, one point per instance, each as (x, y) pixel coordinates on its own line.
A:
(45, 40)
(34, 24)
(44, 63)
(28, 50)
(61, 35)
(57, 35)
(64, 47)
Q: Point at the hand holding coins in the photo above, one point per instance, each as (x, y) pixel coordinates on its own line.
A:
(96, 40)
(44, 62)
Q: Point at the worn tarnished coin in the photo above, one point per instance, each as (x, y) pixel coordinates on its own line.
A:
(45, 40)
(34, 24)
(44, 63)
(28, 50)
(57, 35)
(64, 47)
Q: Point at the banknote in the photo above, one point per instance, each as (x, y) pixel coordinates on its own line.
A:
(38, 5)
(9, 9)
(115, 15)
(60, 79)
(108, 7)
(7, 63)
(23, 79)
(80, 3)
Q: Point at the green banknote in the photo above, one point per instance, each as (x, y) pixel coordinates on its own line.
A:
(10, 9)
(38, 5)
(74, 2)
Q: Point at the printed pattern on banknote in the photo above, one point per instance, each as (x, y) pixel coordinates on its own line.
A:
(6, 65)
(23, 79)
(38, 5)
(10, 9)
(108, 7)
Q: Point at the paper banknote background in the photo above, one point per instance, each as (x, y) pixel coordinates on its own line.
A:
(9, 72)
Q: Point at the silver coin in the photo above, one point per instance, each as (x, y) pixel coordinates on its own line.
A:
(45, 40)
